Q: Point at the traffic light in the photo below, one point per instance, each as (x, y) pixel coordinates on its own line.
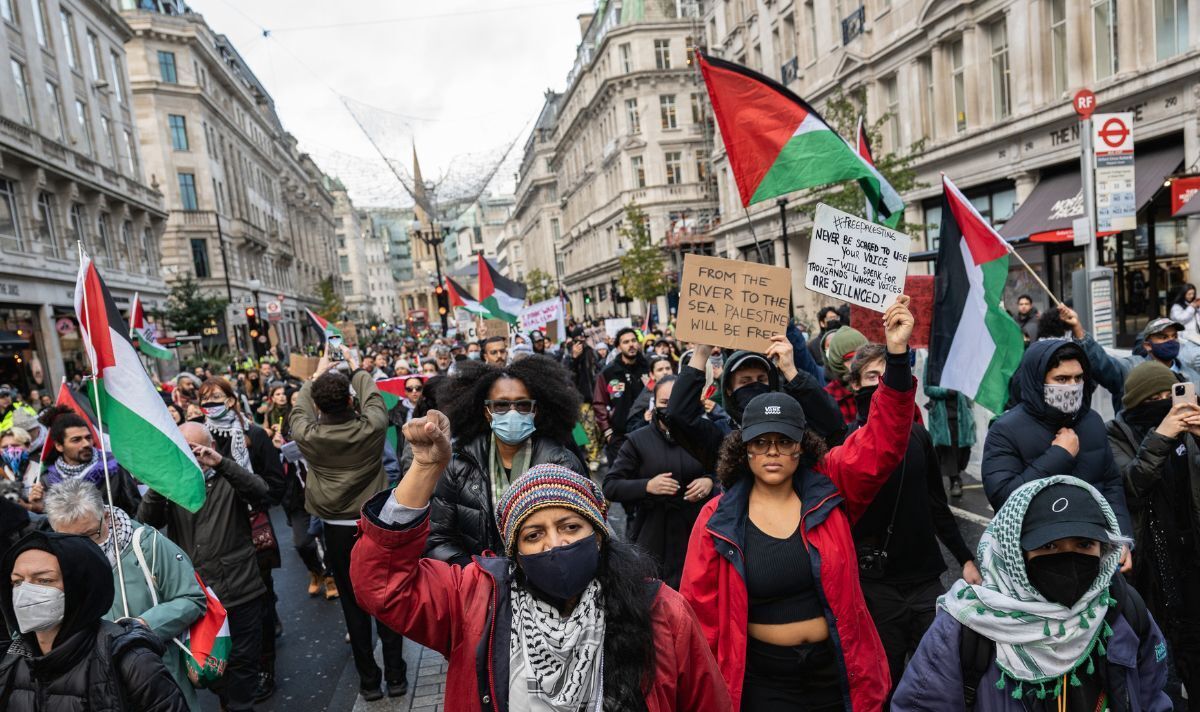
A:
(443, 300)
(258, 338)
(587, 297)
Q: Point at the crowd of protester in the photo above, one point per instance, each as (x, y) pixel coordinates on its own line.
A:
(781, 547)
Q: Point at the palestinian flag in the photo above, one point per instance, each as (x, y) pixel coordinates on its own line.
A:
(975, 346)
(143, 334)
(77, 401)
(502, 297)
(863, 144)
(323, 326)
(777, 143)
(460, 298)
(392, 390)
(142, 434)
(207, 642)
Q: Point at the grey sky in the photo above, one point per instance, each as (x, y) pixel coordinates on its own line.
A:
(461, 76)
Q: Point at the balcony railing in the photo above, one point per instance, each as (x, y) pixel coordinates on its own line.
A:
(853, 25)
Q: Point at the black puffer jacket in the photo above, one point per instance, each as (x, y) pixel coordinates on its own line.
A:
(462, 518)
(94, 665)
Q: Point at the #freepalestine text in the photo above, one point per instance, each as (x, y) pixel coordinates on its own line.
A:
(858, 268)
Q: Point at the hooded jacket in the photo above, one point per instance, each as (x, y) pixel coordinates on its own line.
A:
(95, 665)
(1019, 449)
(617, 387)
(701, 437)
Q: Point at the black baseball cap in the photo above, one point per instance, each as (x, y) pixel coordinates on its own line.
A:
(773, 413)
(1063, 510)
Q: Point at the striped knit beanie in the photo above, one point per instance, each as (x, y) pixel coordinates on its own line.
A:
(545, 486)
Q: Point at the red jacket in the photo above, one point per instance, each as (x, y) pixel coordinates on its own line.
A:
(833, 495)
(464, 613)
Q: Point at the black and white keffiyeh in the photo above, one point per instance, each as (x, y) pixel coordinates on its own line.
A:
(563, 657)
(229, 425)
(120, 533)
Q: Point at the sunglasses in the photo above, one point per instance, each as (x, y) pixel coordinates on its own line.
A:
(414, 389)
(784, 446)
(500, 407)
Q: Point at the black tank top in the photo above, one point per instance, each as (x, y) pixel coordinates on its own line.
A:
(779, 578)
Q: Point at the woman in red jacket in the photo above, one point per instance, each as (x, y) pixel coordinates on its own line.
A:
(570, 621)
(772, 571)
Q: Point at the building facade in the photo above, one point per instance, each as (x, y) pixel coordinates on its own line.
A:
(249, 216)
(71, 173)
(363, 261)
(631, 127)
(982, 91)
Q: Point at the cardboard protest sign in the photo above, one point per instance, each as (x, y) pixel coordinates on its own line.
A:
(465, 321)
(552, 331)
(732, 304)
(612, 326)
(301, 366)
(493, 327)
(856, 260)
(919, 287)
(349, 333)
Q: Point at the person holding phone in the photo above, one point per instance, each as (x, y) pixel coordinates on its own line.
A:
(1154, 442)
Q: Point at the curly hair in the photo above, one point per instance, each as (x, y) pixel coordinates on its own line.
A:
(733, 461)
(331, 392)
(548, 382)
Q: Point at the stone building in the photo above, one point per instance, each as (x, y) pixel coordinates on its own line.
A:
(982, 91)
(250, 218)
(631, 126)
(71, 172)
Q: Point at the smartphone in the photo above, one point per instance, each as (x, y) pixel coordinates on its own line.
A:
(1183, 393)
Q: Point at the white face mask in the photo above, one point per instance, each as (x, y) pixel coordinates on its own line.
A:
(38, 607)
(1064, 398)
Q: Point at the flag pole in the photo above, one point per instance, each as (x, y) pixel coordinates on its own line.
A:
(103, 453)
(1025, 264)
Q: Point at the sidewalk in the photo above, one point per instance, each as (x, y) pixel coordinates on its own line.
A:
(426, 683)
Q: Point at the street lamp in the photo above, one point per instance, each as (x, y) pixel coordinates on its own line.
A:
(255, 285)
(433, 238)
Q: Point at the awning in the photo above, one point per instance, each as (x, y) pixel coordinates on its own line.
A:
(1056, 201)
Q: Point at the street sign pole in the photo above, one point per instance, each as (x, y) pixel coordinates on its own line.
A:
(1088, 172)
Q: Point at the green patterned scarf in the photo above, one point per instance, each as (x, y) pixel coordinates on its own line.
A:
(1037, 641)
(520, 463)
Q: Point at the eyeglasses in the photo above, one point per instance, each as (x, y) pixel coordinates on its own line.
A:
(413, 389)
(784, 446)
(500, 407)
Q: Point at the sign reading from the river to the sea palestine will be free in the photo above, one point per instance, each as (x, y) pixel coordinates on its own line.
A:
(732, 304)
(856, 260)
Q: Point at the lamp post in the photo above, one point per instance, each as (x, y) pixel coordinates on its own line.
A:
(433, 238)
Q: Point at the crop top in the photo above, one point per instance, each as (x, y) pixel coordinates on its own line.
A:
(779, 578)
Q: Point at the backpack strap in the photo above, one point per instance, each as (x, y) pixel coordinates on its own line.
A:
(141, 559)
(975, 654)
(1130, 606)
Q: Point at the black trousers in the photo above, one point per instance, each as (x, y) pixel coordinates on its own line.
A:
(269, 616)
(305, 543)
(338, 542)
(902, 614)
(953, 460)
(236, 687)
(798, 678)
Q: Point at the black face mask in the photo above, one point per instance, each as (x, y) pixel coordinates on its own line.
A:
(197, 419)
(862, 398)
(747, 393)
(1148, 415)
(1063, 578)
(660, 420)
(561, 574)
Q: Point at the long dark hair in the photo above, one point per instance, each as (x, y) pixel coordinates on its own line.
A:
(733, 460)
(625, 580)
(462, 397)
(1177, 297)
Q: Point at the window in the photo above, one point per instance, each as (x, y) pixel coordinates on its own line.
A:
(1058, 45)
(662, 54)
(68, 30)
(150, 250)
(666, 108)
(639, 171)
(85, 126)
(56, 112)
(344, 263)
(697, 108)
(1104, 37)
(631, 115)
(187, 191)
(178, 128)
(75, 220)
(118, 76)
(46, 232)
(626, 58)
(129, 247)
(8, 11)
(702, 165)
(810, 21)
(891, 100)
(106, 126)
(928, 116)
(689, 50)
(200, 257)
(106, 243)
(933, 226)
(24, 101)
(96, 57)
(674, 164)
(555, 230)
(10, 223)
(39, 23)
(1170, 27)
(1001, 98)
(958, 80)
(130, 155)
(166, 67)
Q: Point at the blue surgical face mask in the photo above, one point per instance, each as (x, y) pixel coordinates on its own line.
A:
(512, 427)
(473, 355)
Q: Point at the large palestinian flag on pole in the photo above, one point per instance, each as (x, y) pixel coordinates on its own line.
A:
(863, 143)
(143, 334)
(777, 143)
(975, 346)
(323, 326)
(460, 298)
(142, 434)
(502, 297)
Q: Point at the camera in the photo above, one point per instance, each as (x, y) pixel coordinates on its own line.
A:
(872, 560)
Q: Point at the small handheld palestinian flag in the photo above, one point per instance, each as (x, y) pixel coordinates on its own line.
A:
(392, 390)
(77, 401)
(777, 143)
(502, 297)
(324, 327)
(975, 346)
(143, 436)
(143, 334)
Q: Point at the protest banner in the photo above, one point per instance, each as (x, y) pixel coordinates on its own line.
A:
(543, 315)
(732, 304)
(920, 289)
(856, 260)
(612, 326)
(465, 321)
(493, 327)
(302, 367)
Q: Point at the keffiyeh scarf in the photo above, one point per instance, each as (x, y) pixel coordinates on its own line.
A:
(120, 533)
(563, 657)
(1037, 641)
(229, 425)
